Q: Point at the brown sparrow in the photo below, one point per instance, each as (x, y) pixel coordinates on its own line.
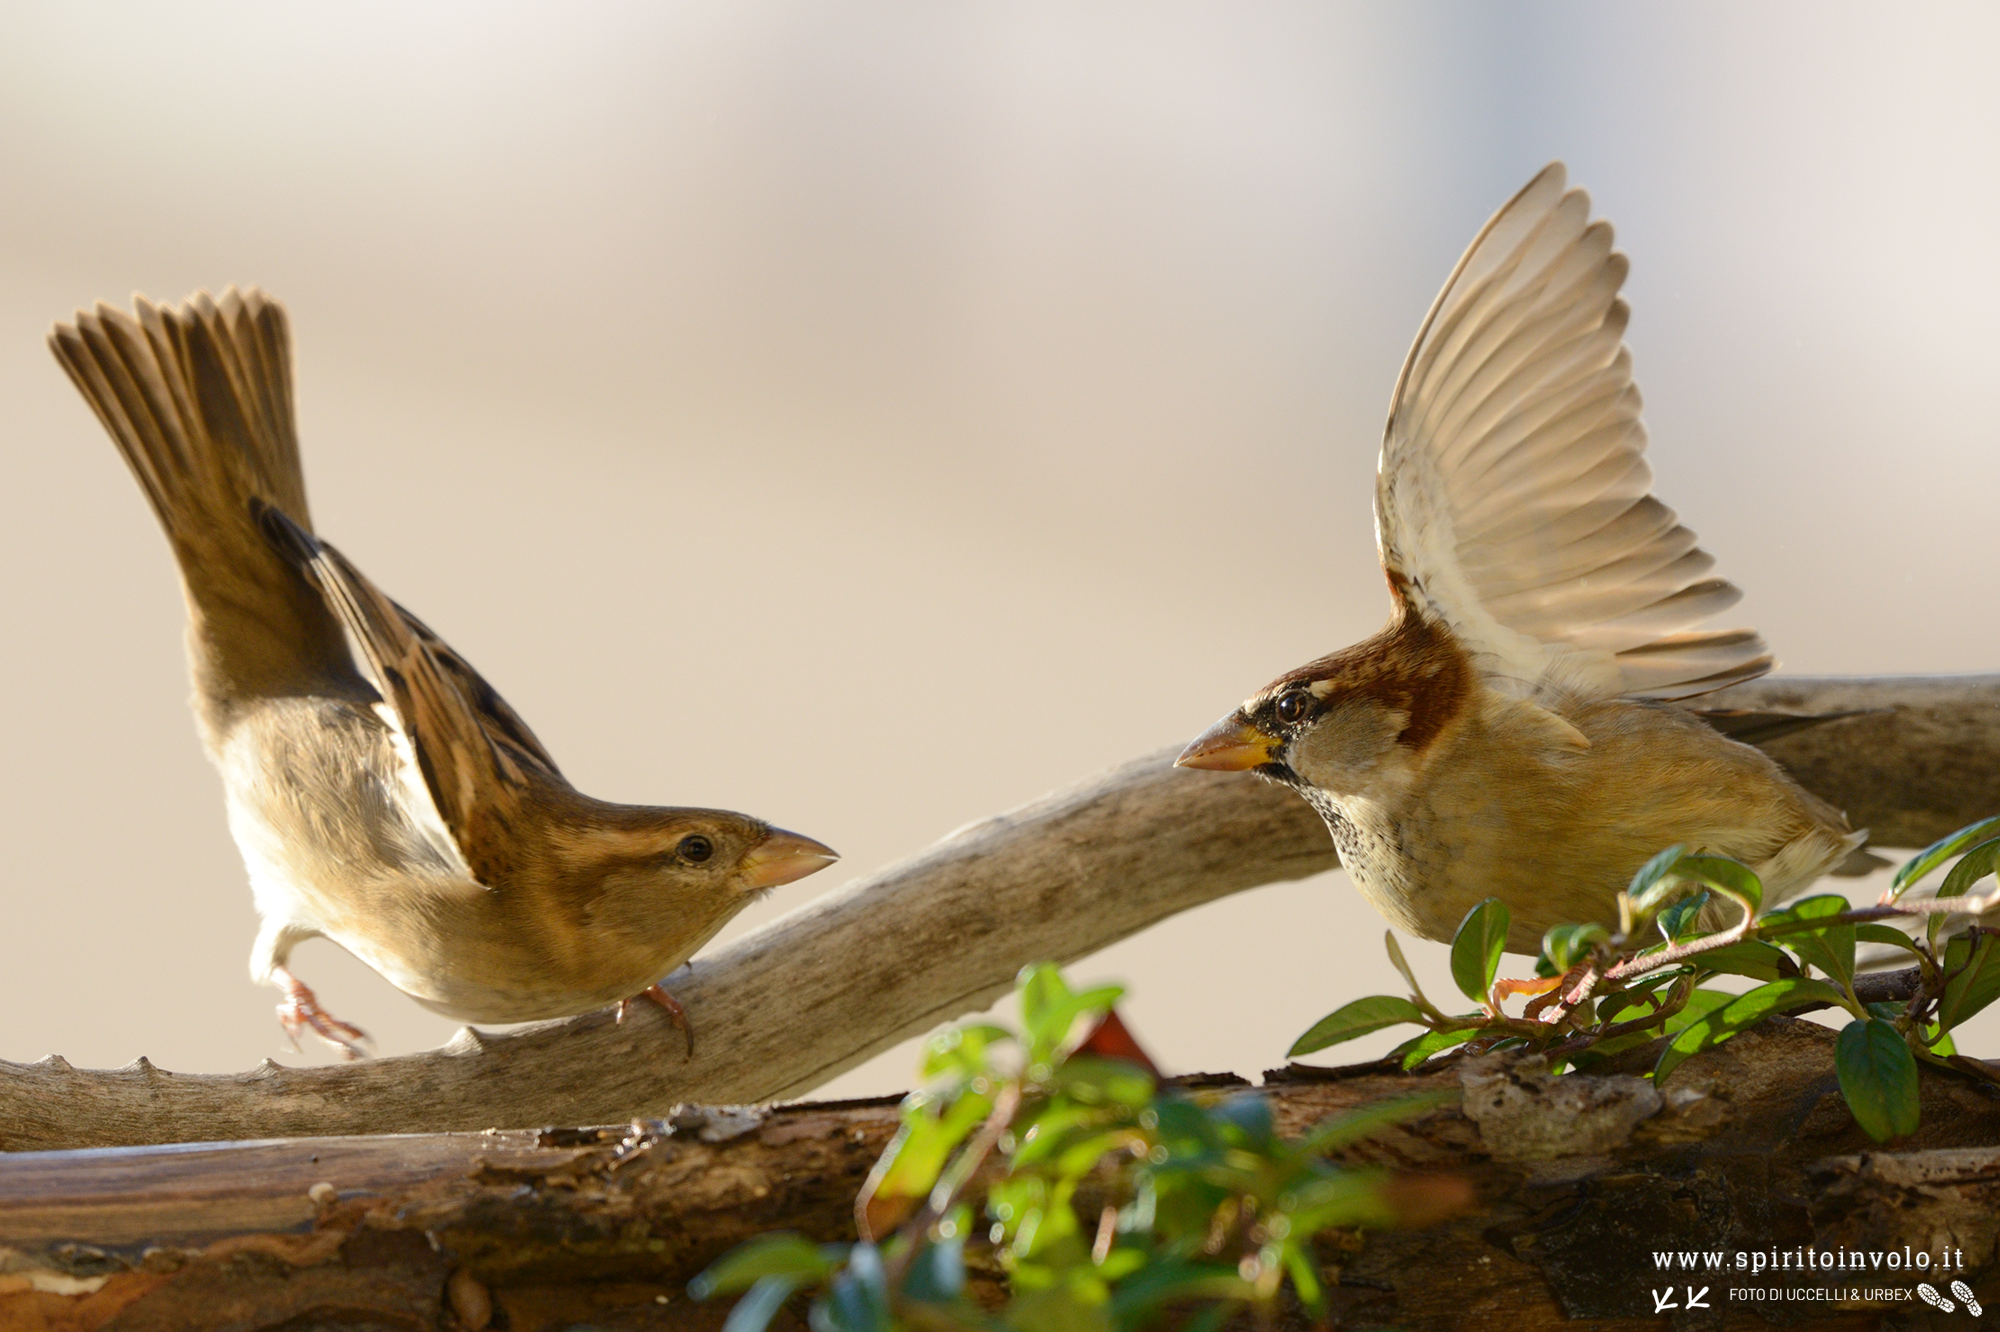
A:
(1513, 732)
(406, 813)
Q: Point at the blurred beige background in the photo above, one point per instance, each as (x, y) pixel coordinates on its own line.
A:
(872, 416)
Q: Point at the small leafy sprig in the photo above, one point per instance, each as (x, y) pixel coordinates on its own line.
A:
(1193, 1201)
(1598, 991)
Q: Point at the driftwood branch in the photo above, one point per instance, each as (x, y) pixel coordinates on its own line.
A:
(1576, 1183)
(825, 987)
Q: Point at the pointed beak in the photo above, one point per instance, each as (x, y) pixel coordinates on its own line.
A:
(1231, 745)
(783, 857)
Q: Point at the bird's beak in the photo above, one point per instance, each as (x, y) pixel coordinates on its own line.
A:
(1231, 745)
(784, 856)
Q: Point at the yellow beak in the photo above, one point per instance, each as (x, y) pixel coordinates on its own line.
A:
(785, 856)
(1231, 745)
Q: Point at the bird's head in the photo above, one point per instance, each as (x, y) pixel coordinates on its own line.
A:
(1312, 732)
(671, 872)
(1356, 723)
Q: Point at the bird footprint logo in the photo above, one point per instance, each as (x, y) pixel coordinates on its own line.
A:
(1931, 1297)
(1967, 1298)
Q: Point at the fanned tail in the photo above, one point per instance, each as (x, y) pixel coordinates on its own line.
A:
(198, 399)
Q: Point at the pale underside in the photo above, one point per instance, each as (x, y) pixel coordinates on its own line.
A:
(1500, 811)
(1513, 500)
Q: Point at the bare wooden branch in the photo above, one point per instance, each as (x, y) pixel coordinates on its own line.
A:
(1578, 1182)
(822, 989)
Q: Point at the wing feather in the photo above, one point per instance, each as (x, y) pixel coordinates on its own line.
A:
(478, 758)
(1514, 502)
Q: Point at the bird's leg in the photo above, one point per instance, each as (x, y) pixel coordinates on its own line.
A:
(675, 1013)
(301, 1010)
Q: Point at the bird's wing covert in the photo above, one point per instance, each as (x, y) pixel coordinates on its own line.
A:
(478, 759)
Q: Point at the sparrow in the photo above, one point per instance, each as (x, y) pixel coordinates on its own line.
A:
(394, 804)
(1517, 730)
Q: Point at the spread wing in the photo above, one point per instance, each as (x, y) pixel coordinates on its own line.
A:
(1513, 500)
(479, 760)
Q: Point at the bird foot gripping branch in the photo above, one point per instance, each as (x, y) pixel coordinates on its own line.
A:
(301, 1011)
(675, 1013)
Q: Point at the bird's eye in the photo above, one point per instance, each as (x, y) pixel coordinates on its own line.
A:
(1292, 705)
(695, 848)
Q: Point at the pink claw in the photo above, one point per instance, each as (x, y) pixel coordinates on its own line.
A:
(675, 1013)
(301, 1010)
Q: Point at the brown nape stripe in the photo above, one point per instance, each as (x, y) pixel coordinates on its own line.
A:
(1436, 675)
(1413, 666)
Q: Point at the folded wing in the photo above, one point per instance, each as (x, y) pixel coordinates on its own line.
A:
(479, 760)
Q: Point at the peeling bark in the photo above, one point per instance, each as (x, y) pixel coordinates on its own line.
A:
(1579, 1182)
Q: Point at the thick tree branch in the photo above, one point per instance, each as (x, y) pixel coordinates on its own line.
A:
(1579, 1182)
(825, 987)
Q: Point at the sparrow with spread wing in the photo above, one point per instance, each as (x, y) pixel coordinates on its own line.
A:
(1514, 731)
(404, 812)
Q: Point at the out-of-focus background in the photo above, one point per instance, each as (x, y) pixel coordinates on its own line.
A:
(873, 416)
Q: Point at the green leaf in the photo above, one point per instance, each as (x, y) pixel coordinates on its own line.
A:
(1828, 947)
(1610, 1005)
(1173, 1280)
(1248, 1114)
(1974, 971)
(1698, 1006)
(1973, 866)
(1402, 965)
(1934, 855)
(1095, 1080)
(1747, 957)
(1725, 876)
(1679, 920)
(937, 1273)
(1049, 1008)
(1476, 948)
(1885, 934)
(1305, 1281)
(857, 1300)
(1045, 1001)
(781, 1255)
(754, 1312)
(1649, 877)
(1719, 1025)
(1419, 1048)
(1356, 1019)
(910, 1165)
(962, 1050)
(1878, 1076)
(1566, 945)
(1694, 1007)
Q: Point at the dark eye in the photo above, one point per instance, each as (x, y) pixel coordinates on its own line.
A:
(695, 848)
(1293, 705)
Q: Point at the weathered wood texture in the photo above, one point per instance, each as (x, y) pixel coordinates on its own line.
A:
(1579, 1182)
(825, 987)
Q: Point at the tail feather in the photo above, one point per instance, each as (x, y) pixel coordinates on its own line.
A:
(198, 399)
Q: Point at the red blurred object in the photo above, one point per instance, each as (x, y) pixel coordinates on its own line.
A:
(1111, 1039)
